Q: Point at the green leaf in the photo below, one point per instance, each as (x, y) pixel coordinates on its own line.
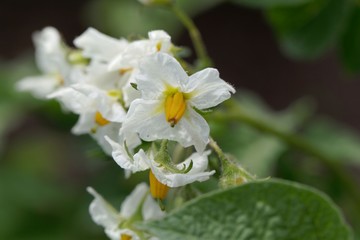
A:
(335, 140)
(274, 209)
(307, 31)
(269, 3)
(256, 151)
(350, 44)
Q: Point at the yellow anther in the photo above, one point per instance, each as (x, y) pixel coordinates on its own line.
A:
(122, 71)
(60, 80)
(175, 107)
(114, 93)
(158, 46)
(157, 189)
(125, 237)
(99, 119)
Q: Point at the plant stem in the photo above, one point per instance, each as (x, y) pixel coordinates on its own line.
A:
(204, 60)
(228, 164)
(236, 114)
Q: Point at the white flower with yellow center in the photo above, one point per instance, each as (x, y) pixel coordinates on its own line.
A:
(168, 98)
(51, 55)
(138, 206)
(100, 112)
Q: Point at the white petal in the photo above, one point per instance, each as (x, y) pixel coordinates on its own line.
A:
(160, 37)
(102, 212)
(139, 117)
(111, 130)
(194, 130)
(102, 102)
(133, 201)
(99, 46)
(72, 100)
(135, 51)
(115, 234)
(207, 89)
(99, 75)
(49, 51)
(129, 93)
(147, 118)
(151, 209)
(85, 123)
(123, 160)
(158, 72)
(39, 86)
(197, 173)
(77, 74)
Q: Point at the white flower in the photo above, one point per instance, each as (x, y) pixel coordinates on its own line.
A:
(98, 46)
(84, 98)
(197, 172)
(100, 111)
(111, 220)
(51, 58)
(168, 98)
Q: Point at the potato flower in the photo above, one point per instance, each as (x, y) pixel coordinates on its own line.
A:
(169, 99)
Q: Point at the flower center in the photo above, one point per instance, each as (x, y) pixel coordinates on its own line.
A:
(122, 71)
(125, 237)
(175, 106)
(158, 46)
(157, 189)
(99, 119)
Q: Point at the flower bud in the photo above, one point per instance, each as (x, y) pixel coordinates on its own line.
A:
(233, 174)
(157, 189)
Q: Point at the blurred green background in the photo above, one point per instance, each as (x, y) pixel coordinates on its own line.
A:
(281, 50)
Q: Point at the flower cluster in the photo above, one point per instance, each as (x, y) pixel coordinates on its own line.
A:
(136, 100)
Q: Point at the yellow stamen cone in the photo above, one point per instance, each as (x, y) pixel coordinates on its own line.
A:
(122, 71)
(158, 46)
(99, 119)
(125, 237)
(157, 189)
(175, 107)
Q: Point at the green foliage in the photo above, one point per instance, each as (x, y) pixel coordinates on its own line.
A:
(273, 209)
(335, 140)
(307, 31)
(256, 151)
(269, 3)
(350, 43)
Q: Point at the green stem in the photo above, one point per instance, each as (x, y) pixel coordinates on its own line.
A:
(236, 114)
(204, 60)
(162, 157)
(227, 163)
